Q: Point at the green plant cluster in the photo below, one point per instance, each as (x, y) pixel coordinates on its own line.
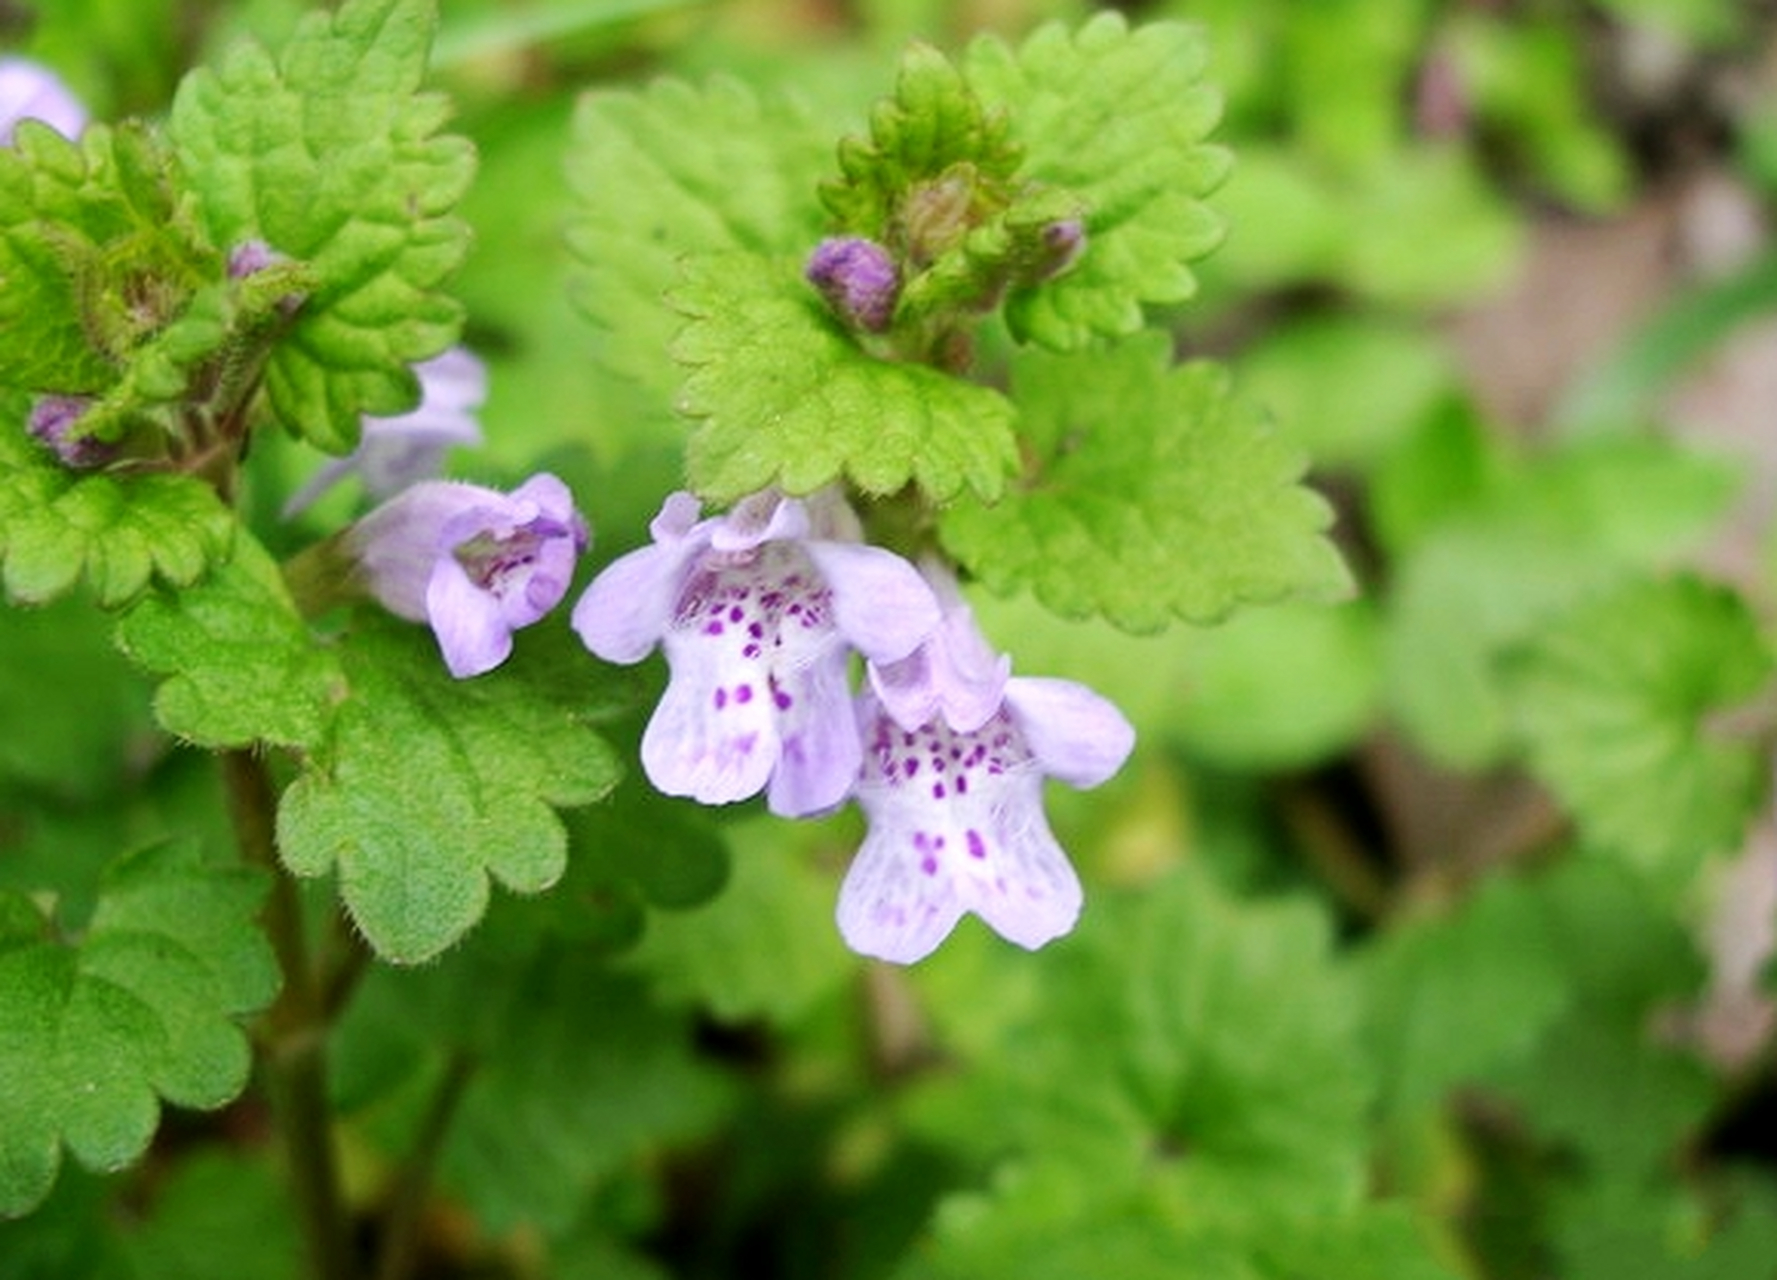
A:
(1403, 933)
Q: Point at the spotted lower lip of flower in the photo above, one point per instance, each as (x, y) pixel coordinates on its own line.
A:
(473, 563)
(394, 453)
(956, 821)
(757, 611)
(29, 91)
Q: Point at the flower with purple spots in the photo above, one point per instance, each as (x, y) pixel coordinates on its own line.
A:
(396, 452)
(29, 91)
(474, 563)
(955, 753)
(757, 612)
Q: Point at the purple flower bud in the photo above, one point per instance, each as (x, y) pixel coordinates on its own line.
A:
(1063, 242)
(251, 257)
(32, 92)
(54, 422)
(473, 563)
(858, 279)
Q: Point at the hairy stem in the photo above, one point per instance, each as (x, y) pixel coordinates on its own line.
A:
(294, 1038)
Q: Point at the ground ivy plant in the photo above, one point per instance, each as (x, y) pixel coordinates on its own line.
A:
(454, 818)
(907, 357)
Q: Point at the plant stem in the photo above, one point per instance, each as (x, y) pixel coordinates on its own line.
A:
(401, 1234)
(295, 1032)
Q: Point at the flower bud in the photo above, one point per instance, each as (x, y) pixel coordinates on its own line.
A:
(858, 279)
(1064, 241)
(54, 423)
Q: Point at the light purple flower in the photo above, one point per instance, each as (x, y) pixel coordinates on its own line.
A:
(757, 611)
(474, 563)
(396, 452)
(29, 91)
(956, 750)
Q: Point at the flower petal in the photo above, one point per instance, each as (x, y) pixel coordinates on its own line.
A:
(1021, 882)
(627, 608)
(714, 735)
(820, 752)
(1075, 735)
(880, 603)
(472, 634)
(890, 907)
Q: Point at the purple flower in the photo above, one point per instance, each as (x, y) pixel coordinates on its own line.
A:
(956, 750)
(474, 563)
(396, 452)
(757, 611)
(858, 279)
(54, 421)
(29, 91)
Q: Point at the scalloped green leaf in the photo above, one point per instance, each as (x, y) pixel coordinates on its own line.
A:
(783, 396)
(1117, 116)
(416, 832)
(677, 172)
(95, 1033)
(1153, 493)
(1624, 705)
(330, 155)
(1179, 1090)
(116, 530)
(241, 664)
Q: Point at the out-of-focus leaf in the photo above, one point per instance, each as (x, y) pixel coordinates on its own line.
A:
(1615, 700)
(94, 1034)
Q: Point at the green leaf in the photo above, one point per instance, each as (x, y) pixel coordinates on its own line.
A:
(1630, 956)
(766, 946)
(241, 664)
(219, 1216)
(674, 174)
(784, 396)
(668, 847)
(61, 675)
(416, 833)
(1116, 117)
(587, 1074)
(93, 1033)
(1619, 702)
(1539, 537)
(1154, 494)
(1346, 389)
(1182, 1093)
(563, 1070)
(1450, 998)
(117, 530)
(1285, 687)
(329, 155)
